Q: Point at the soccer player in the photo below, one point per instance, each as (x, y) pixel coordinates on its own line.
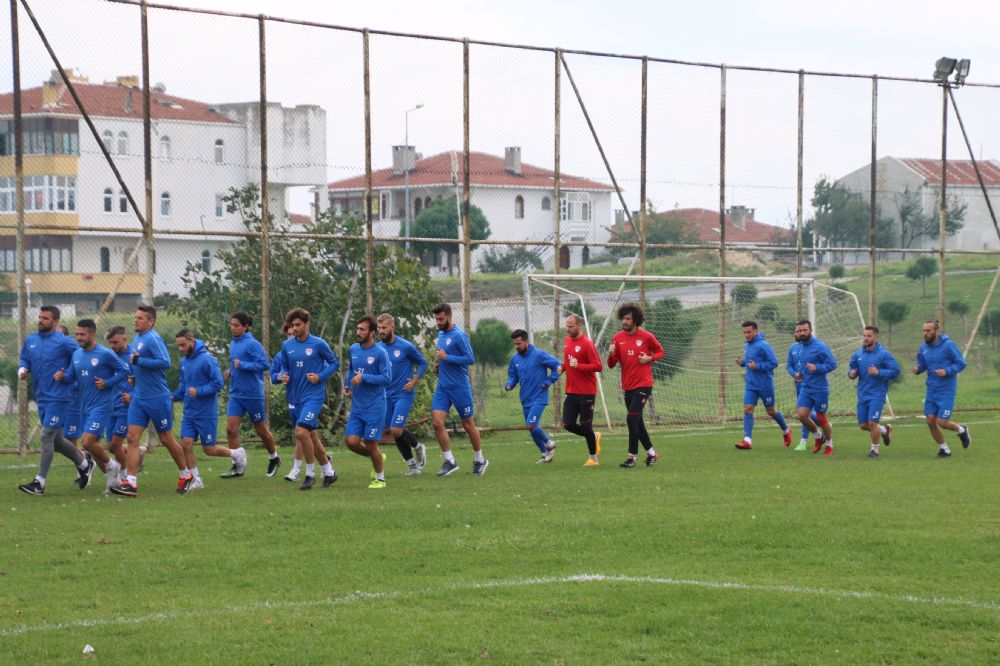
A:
(874, 367)
(535, 370)
(118, 424)
(815, 362)
(635, 349)
(759, 360)
(200, 383)
(941, 359)
(42, 355)
(370, 373)
(247, 364)
(453, 358)
(581, 363)
(96, 371)
(150, 402)
(793, 367)
(308, 363)
(403, 356)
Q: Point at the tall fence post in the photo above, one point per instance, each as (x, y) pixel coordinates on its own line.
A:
(642, 180)
(19, 244)
(369, 238)
(147, 161)
(466, 239)
(944, 201)
(265, 219)
(872, 206)
(722, 244)
(799, 187)
(557, 213)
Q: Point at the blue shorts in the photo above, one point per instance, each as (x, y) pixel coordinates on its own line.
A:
(461, 398)
(95, 422)
(751, 396)
(870, 410)
(52, 414)
(203, 429)
(252, 406)
(366, 426)
(118, 426)
(307, 413)
(533, 413)
(939, 405)
(158, 410)
(817, 402)
(71, 421)
(397, 410)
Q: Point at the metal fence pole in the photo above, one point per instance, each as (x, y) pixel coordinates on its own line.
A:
(557, 216)
(369, 238)
(265, 218)
(642, 181)
(22, 301)
(722, 244)
(799, 186)
(944, 200)
(466, 239)
(147, 161)
(873, 217)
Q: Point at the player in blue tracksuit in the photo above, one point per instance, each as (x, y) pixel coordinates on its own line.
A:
(71, 418)
(309, 363)
(399, 395)
(815, 362)
(874, 367)
(368, 374)
(452, 360)
(199, 386)
(42, 355)
(759, 360)
(941, 359)
(118, 424)
(150, 402)
(247, 364)
(535, 370)
(793, 366)
(96, 371)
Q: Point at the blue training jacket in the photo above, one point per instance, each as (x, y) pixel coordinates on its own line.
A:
(302, 357)
(88, 366)
(44, 354)
(247, 381)
(150, 368)
(372, 363)
(118, 406)
(536, 370)
(816, 352)
(759, 350)
(453, 371)
(942, 354)
(200, 370)
(874, 387)
(403, 354)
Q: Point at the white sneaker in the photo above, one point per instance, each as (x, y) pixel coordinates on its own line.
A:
(142, 458)
(292, 475)
(550, 452)
(112, 473)
(412, 470)
(421, 456)
(196, 484)
(240, 460)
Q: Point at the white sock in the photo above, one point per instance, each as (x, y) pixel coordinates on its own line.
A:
(449, 456)
(272, 456)
(874, 446)
(181, 473)
(411, 462)
(961, 430)
(652, 451)
(297, 465)
(194, 470)
(310, 469)
(41, 480)
(328, 469)
(747, 440)
(943, 446)
(131, 479)
(882, 430)
(829, 443)
(478, 456)
(380, 476)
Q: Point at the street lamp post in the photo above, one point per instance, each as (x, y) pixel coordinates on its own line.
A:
(406, 174)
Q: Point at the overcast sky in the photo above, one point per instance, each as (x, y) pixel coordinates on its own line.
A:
(215, 60)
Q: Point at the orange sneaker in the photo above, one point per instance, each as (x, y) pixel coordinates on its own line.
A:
(184, 483)
(787, 437)
(818, 445)
(597, 448)
(591, 463)
(828, 451)
(744, 445)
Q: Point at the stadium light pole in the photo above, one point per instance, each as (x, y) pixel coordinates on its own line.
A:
(406, 174)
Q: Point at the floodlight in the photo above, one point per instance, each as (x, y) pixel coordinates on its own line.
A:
(962, 70)
(943, 68)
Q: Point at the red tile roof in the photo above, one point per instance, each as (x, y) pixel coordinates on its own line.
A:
(299, 218)
(110, 101)
(960, 172)
(484, 170)
(705, 224)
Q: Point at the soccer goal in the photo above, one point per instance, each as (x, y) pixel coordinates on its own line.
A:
(698, 322)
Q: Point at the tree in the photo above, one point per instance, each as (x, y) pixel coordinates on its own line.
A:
(843, 217)
(492, 346)
(676, 331)
(915, 223)
(744, 294)
(837, 272)
(960, 308)
(514, 260)
(440, 220)
(665, 229)
(891, 313)
(991, 327)
(768, 312)
(921, 269)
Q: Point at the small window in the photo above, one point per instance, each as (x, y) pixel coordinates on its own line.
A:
(518, 207)
(427, 202)
(165, 204)
(418, 205)
(220, 206)
(206, 261)
(165, 149)
(123, 143)
(105, 260)
(109, 199)
(122, 202)
(546, 203)
(107, 138)
(219, 151)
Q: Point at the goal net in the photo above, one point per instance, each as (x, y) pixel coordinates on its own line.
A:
(698, 322)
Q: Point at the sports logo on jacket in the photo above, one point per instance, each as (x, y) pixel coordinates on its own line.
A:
(447, 341)
(139, 346)
(395, 352)
(309, 351)
(371, 359)
(577, 348)
(94, 362)
(638, 343)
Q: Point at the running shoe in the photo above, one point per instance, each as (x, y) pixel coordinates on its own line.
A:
(550, 452)
(447, 468)
(597, 446)
(329, 480)
(184, 483)
(308, 483)
(828, 450)
(412, 470)
(292, 475)
(943, 454)
(33, 488)
(818, 445)
(786, 437)
(629, 463)
(376, 484)
(240, 461)
(965, 437)
(744, 445)
(420, 451)
(273, 464)
(651, 459)
(803, 445)
(233, 472)
(479, 468)
(873, 454)
(887, 437)
(85, 473)
(125, 488)
(197, 484)
(591, 463)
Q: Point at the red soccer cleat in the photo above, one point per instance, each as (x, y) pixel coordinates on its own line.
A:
(818, 445)
(828, 451)
(744, 445)
(788, 437)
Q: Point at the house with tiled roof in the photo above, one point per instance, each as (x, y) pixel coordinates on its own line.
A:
(896, 178)
(702, 226)
(516, 198)
(81, 232)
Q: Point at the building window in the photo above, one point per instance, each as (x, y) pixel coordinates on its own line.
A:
(574, 207)
(122, 202)
(109, 199)
(43, 254)
(206, 261)
(108, 139)
(518, 207)
(165, 150)
(41, 193)
(165, 204)
(219, 145)
(418, 205)
(546, 203)
(385, 205)
(123, 143)
(220, 206)
(8, 196)
(105, 260)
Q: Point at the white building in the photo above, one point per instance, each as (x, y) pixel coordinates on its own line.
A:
(199, 153)
(515, 198)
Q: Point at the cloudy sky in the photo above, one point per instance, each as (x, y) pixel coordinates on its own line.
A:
(215, 60)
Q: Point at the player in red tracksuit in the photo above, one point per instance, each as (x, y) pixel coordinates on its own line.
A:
(581, 363)
(635, 349)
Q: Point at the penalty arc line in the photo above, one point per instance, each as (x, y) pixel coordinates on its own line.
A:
(361, 596)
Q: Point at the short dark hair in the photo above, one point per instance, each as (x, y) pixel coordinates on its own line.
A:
(87, 324)
(936, 323)
(148, 309)
(634, 309)
(750, 323)
(441, 308)
(575, 317)
(185, 333)
(113, 331)
(245, 320)
(297, 313)
(63, 329)
(51, 309)
(873, 329)
(519, 334)
(804, 322)
(370, 320)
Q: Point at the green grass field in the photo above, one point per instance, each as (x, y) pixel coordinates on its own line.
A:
(713, 555)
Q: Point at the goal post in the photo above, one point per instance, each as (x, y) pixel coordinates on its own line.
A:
(697, 320)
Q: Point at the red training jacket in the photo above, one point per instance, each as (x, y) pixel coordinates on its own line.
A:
(582, 379)
(625, 349)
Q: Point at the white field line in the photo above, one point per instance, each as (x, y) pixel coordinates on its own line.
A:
(361, 596)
